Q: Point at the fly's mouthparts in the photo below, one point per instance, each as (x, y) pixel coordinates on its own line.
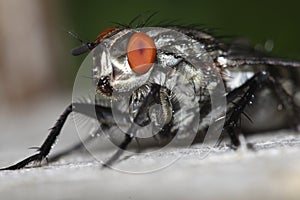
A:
(104, 87)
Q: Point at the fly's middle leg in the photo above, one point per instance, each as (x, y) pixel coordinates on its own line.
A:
(245, 94)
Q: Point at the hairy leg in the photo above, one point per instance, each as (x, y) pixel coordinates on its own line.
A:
(44, 150)
(243, 95)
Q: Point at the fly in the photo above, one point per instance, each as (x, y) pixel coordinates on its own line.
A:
(178, 68)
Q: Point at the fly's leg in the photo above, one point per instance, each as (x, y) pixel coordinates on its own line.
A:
(287, 102)
(157, 94)
(243, 95)
(79, 146)
(72, 149)
(123, 146)
(140, 119)
(44, 150)
(127, 140)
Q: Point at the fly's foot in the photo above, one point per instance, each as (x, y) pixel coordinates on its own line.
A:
(35, 160)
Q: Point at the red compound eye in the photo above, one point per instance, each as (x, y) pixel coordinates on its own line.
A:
(141, 52)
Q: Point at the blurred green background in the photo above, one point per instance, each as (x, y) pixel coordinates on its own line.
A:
(256, 20)
(259, 21)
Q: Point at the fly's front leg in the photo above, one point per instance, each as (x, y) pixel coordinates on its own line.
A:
(80, 145)
(243, 95)
(140, 105)
(156, 94)
(44, 150)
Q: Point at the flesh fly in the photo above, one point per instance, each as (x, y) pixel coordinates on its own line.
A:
(184, 71)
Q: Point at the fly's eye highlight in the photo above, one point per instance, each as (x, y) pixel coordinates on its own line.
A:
(141, 52)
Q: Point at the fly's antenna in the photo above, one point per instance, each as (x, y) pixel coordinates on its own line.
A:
(85, 46)
(76, 36)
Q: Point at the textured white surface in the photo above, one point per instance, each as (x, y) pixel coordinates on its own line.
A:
(271, 172)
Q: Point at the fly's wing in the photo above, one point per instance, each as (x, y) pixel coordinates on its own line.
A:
(241, 57)
(238, 62)
(242, 62)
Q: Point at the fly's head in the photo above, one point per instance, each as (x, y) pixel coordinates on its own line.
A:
(152, 77)
(123, 62)
(125, 59)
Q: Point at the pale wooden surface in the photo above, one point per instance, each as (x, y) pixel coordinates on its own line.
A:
(272, 172)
